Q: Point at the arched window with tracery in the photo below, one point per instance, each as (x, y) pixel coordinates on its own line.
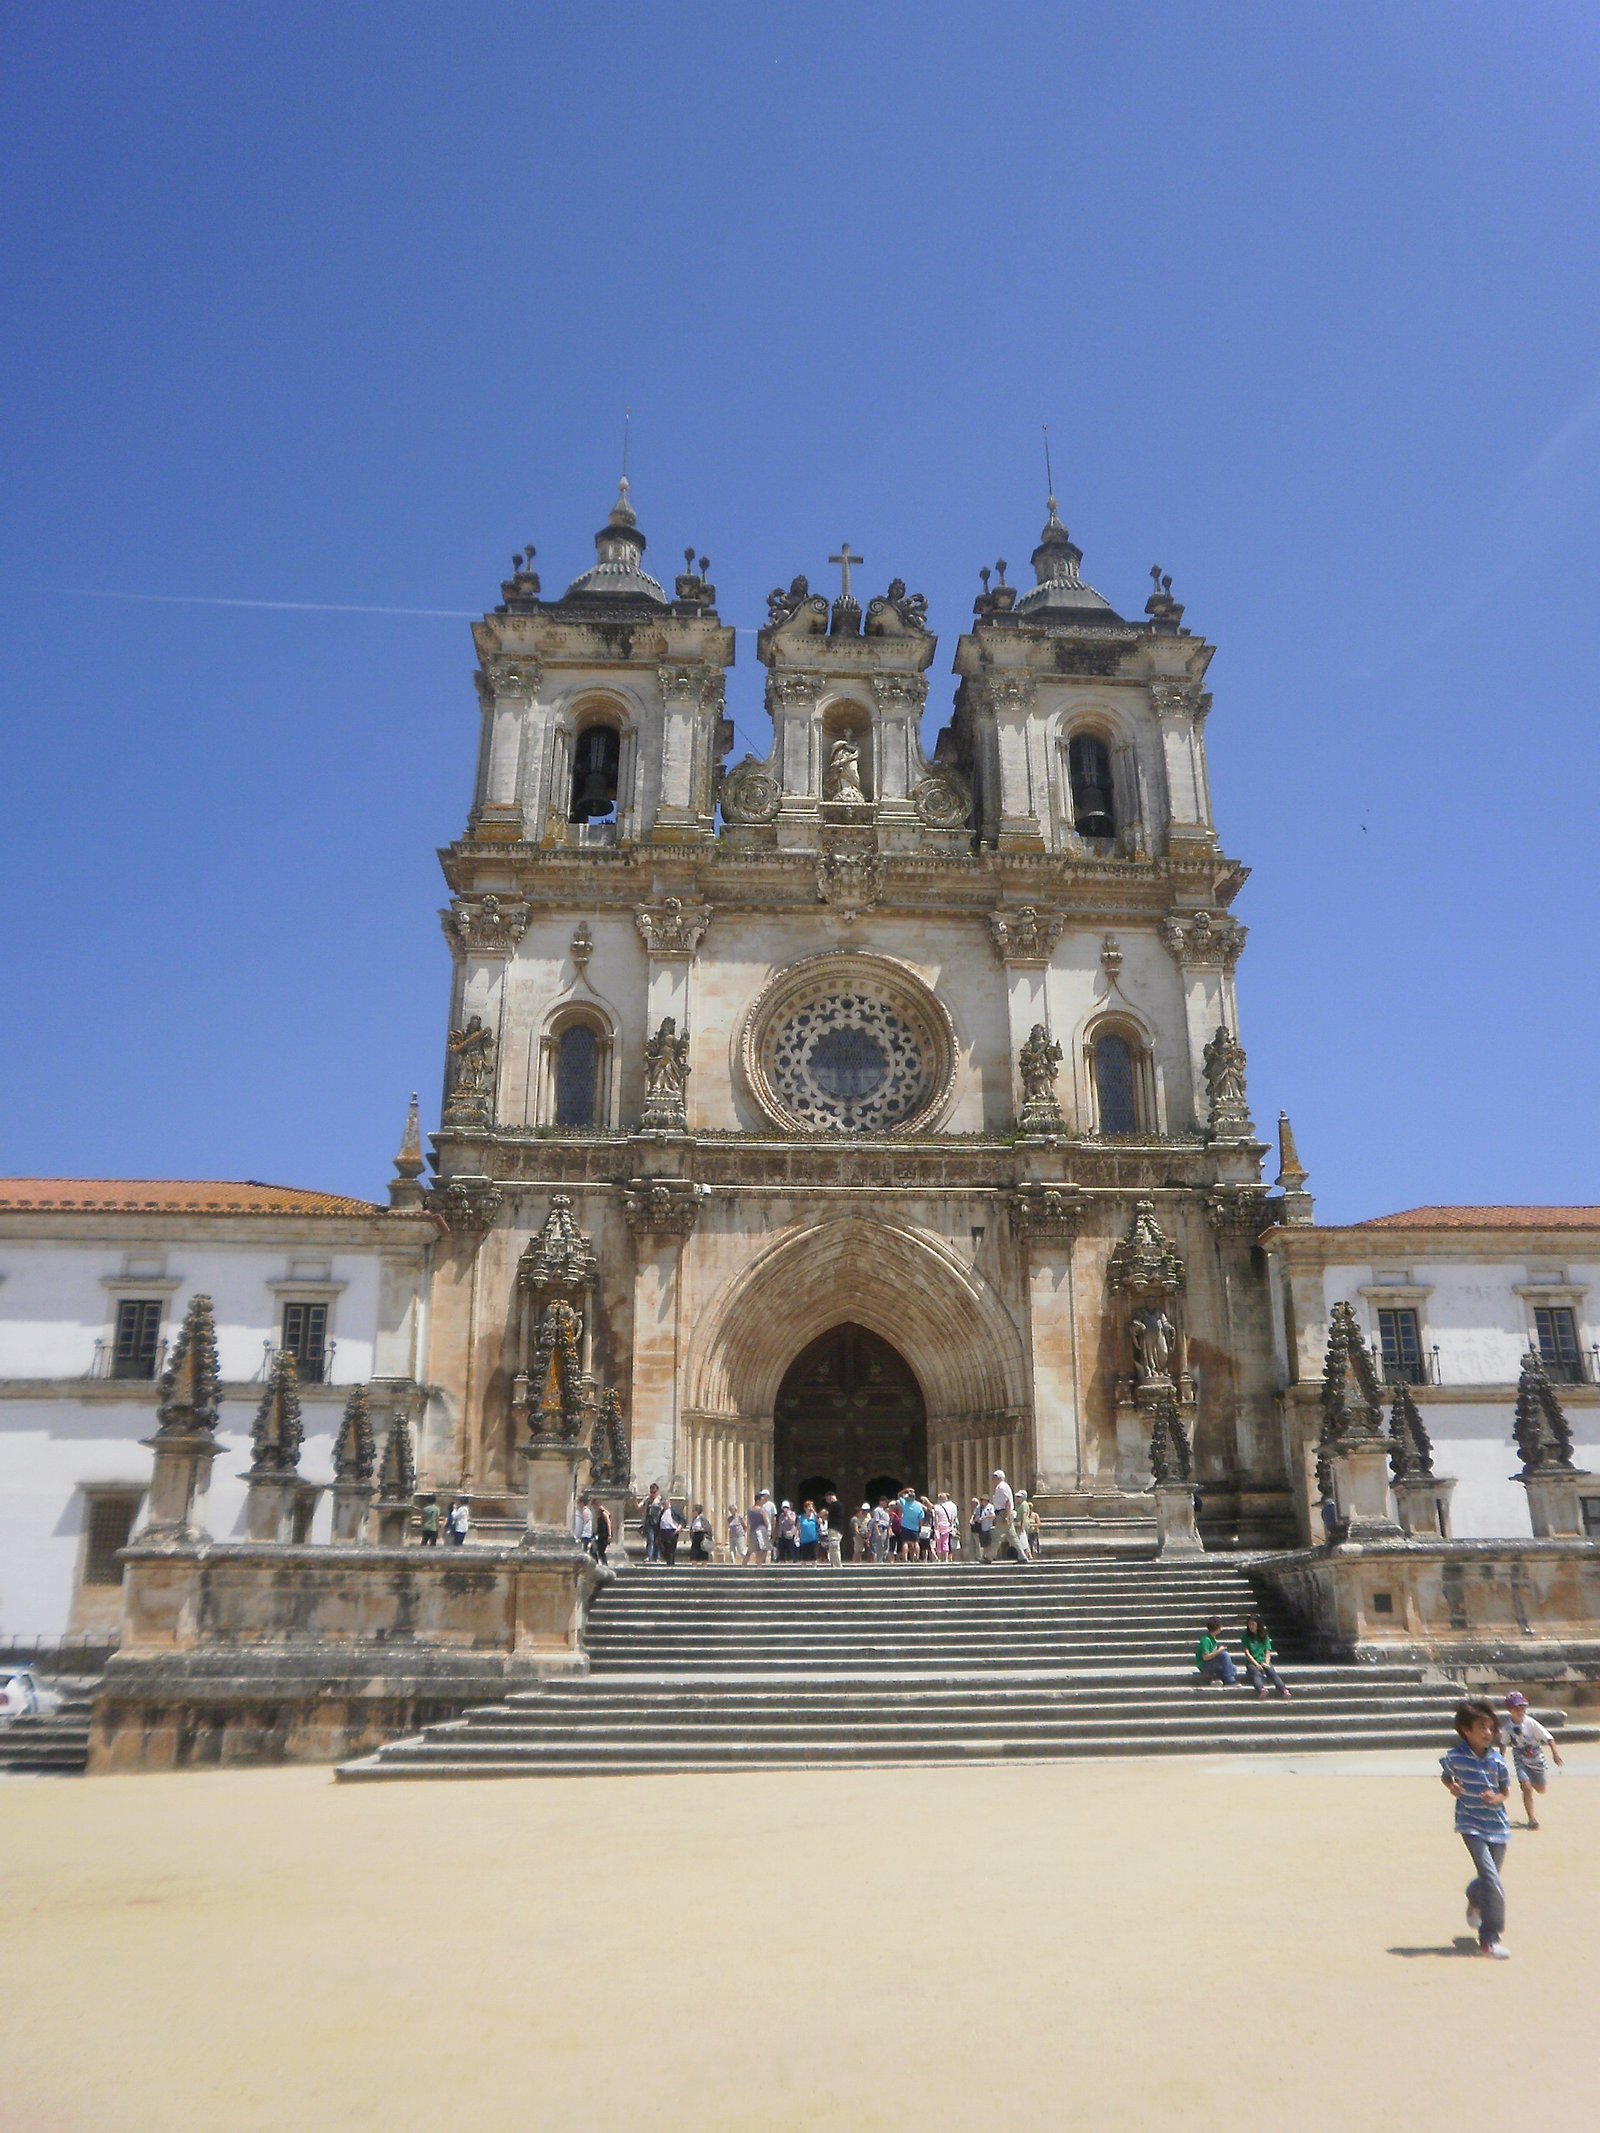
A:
(576, 1076)
(1094, 806)
(1121, 1082)
(596, 771)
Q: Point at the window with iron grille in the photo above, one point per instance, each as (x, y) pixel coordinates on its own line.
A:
(1116, 1103)
(305, 1335)
(1400, 1338)
(138, 1335)
(110, 1522)
(577, 1076)
(1557, 1331)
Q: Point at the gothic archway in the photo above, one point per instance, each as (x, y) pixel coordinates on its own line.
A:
(849, 1412)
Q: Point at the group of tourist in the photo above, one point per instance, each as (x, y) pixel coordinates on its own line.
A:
(909, 1527)
(1215, 1663)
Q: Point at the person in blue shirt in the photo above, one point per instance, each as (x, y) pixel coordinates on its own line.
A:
(910, 1526)
(807, 1532)
(1475, 1771)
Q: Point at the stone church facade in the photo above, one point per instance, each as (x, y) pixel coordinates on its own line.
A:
(896, 1102)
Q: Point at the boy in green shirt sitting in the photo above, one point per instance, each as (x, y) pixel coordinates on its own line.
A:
(1213, 1659)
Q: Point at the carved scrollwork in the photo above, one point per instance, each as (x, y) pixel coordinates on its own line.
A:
(1048, 1214)
(792, 692)
(897, 612)
(784, 606)
(899, 693)
(1237, 1212)
(514, 677)
(749, 793)
(1024, 935)
(664, 1207)
(850, 882)
(943, 800)
(486, 925)
(466, 1205)
(672, 928)
(1208, 938)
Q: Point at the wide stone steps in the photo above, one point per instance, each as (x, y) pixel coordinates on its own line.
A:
(57, 1746)
(712, 1668)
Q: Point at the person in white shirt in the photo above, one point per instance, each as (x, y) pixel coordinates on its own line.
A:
(1003, 1534)
(1528, 1740)
(760, 1528)
(736, 1534)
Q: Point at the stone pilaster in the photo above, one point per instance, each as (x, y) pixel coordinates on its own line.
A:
(1046, 1220)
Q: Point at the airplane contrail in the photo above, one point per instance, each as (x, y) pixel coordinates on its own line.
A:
(306, 607)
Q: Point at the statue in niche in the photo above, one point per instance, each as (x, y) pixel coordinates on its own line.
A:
(1153, 1334)
(843, 778)
(666, 1075)
(1039, 1061)
(472, 1060)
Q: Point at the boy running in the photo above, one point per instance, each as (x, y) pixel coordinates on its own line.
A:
(1475, 1771)
(1527, 1740)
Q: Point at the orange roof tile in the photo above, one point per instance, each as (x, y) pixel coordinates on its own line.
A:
(172, 1196)
(1487, 1218)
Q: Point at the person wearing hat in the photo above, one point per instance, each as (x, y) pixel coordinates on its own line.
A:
(1528, 1740)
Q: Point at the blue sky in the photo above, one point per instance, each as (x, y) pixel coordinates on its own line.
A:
(340, 304)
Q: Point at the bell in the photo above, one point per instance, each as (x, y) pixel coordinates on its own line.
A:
(594, 796)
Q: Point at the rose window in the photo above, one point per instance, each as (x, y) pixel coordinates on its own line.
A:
(848, 1044)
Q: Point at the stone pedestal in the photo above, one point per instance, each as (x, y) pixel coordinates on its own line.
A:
(616, 1503)
(269, 1506)
(1175, 1519)
(352, 1505)
(1361, 1491)
(175, 1508)
(1424, 1507)
(394, 1518)
(1555, 1502)
(553, 1464)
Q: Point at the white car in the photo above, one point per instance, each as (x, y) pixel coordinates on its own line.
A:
(24, 1695)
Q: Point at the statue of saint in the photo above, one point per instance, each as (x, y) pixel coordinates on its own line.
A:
(1153, 1335)
(843, 779)
(472, 1050)
(1039, 1061)
(666, 1074)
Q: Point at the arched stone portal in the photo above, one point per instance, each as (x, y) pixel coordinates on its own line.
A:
(912, 1290)
(849, 1414)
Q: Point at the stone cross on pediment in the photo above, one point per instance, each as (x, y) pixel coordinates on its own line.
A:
(845, 559)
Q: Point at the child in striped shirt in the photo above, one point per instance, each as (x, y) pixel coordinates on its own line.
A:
(1475, 1771)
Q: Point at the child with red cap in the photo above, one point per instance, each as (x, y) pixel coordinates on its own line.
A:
(1527, 1740)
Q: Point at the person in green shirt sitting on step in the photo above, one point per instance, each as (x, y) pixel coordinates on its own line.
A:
(1260, 1660)
(1213, 1659)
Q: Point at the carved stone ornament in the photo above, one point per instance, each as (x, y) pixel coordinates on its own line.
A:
(783, 606)
(1542, 1431)
(1224, 1063)
(191, 1384)
(355, 1451)
(556, 1379)
(1111, 957)
(1351, 1413)
(582, 947)
(672, 928)
(397, 1477)
(1011, 693)
(666, 1078)
(897, 612)
(700, 685)
(561, 1260)
(841, 780)
(471, 1098)
(1208, 938)
(849, 1043)
(1171, 1455)
(1174, 699)
(661, 1207)
(1038, 1063)
(1146, 1264)
(1238, 1212)
(277, 1433)
(897, 694)
(1025, 935)
(850, 882)
(1410, 1446)
(943, 800)
(1048, 1214)
(749, 793)
(608, 1445)
(514, 677)
(467, 1206)
(793, 692)
(486, 925)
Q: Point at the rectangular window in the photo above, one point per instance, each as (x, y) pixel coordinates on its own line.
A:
(1558, 1343)
(1400, 1337)
(1590, 1507)
(138, 1335)
(305, 1335)
(110, 1521)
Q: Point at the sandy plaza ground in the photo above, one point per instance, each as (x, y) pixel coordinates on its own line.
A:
(1214, 1942)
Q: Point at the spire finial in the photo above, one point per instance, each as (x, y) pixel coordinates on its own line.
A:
(1299, 1208)
(1049, 476)
(627, 422)
(404, 1187)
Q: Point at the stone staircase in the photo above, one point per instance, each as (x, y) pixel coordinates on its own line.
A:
(717, 1668)
(57, 1746)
